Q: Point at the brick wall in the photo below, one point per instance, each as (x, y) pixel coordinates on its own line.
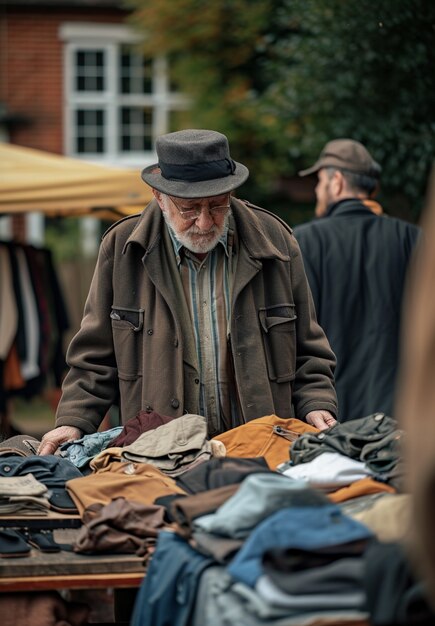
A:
(31, 67)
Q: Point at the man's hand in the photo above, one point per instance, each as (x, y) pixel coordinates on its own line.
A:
(54, 438)
(320, 419)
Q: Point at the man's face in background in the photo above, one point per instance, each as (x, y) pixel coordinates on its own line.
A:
(324, 195)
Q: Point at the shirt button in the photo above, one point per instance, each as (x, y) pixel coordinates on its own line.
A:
(150, 331)
(196, 381)
(175, 403)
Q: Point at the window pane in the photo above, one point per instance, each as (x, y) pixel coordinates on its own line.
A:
(90, 131)
(89, 70)
(135, 72)
(135, 129)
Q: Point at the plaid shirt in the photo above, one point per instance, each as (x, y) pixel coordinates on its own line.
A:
(207, 286)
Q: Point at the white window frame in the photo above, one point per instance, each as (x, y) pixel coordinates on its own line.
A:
(162, 101)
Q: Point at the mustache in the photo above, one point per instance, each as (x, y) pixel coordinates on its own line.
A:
(194, 230)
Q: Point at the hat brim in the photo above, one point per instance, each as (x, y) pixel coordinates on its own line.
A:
(311, 170)
(199, 189)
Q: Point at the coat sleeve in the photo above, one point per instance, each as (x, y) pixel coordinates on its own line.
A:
(91, 384)
(314, 387)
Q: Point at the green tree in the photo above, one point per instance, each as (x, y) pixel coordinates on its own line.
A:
(215, 49)
(282, 77)
(365, 70)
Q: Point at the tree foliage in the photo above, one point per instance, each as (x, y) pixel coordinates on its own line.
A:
(282, 77)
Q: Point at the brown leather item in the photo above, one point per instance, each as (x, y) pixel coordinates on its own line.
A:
(119, 527)
(185, 510)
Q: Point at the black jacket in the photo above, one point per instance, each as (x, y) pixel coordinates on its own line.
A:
(356, 264)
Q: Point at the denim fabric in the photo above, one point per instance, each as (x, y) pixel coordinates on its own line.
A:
(81, 451)
(167, 594)
(305, 528)
(375, 439)
(51, 470)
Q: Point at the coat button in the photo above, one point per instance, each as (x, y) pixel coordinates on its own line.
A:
(175, 403)
(196, 381)
(150, 331)
(148, 408)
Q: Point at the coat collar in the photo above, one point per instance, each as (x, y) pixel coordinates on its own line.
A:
(252, 233)
(347, 206)
(148, 231)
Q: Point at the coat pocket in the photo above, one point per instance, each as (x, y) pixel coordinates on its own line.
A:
(127, 325)
(278, 324)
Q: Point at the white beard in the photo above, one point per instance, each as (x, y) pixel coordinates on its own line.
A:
(194, 239)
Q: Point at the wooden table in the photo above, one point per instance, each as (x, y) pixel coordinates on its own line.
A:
(66, 570)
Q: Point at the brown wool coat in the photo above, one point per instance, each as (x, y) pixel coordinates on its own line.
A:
(135, 346)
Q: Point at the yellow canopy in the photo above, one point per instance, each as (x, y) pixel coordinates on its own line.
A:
(33, 180)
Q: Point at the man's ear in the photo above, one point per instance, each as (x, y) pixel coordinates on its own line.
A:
(338, 183)
(158, 196)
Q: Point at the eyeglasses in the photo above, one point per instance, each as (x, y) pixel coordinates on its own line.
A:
(194, 211)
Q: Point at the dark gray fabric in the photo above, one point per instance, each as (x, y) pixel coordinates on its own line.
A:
(194, 163)
(374, 439)
(396, 596)
(340, 576)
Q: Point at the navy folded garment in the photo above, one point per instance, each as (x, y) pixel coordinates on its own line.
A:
(53, 471)
(12, 544)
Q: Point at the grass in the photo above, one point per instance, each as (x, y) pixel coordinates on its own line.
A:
(32, 417)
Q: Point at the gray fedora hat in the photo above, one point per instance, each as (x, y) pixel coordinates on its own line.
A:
(194, 164)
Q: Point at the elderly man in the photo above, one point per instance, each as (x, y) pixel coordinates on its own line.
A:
(356, 261)
(200, 304)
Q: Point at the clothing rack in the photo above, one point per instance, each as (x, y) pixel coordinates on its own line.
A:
(33, 320)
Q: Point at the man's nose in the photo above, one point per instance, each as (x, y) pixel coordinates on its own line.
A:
(205, 221)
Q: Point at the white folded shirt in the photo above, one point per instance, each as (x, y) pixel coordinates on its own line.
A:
(329, 471)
